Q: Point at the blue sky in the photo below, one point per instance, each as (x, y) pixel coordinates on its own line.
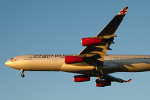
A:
(56, 27)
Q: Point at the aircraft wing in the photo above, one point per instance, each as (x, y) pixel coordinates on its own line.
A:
(112, 78)
(98, 51)
(112, 26)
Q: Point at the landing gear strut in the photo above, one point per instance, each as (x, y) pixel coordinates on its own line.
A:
(99, 83)
(98, 80)
(22, 71)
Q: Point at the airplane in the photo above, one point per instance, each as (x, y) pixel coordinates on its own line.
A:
(92, 61)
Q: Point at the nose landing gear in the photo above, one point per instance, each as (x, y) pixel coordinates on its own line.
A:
(22, 71)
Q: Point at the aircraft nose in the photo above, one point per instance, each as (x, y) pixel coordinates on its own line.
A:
(7, 63)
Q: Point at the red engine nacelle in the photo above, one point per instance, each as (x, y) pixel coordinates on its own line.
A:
(90, 41)
(81, 78)
(103, 83)
(73, 59)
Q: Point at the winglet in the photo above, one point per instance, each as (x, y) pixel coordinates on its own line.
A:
(123, 11)
(129, 80)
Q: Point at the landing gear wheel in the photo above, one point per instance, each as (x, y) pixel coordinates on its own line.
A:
(97, 81)
(22, 71)
(22, 75)
(103, 84)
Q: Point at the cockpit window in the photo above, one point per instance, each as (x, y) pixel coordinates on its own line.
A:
(12, 59)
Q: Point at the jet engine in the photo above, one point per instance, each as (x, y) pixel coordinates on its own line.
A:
(90, 41)
(103, 83)
(73, 59)
(81, 78)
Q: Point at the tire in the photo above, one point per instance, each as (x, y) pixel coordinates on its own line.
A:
(97, 81)
(22, 75)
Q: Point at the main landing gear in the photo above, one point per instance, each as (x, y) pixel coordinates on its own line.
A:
(22, 71)
(98, 81)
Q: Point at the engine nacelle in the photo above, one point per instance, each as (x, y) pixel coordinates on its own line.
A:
(103, 83)
(90, 41)
(73, 59)
(81, 78)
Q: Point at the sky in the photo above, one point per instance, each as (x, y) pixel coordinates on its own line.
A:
(56, 27)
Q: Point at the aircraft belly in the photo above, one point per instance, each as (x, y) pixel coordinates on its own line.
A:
(131, 65)
(109, 67)
(42, 65)
(75, 68)
(138, 67)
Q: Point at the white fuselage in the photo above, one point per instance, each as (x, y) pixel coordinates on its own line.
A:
(114, 63)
